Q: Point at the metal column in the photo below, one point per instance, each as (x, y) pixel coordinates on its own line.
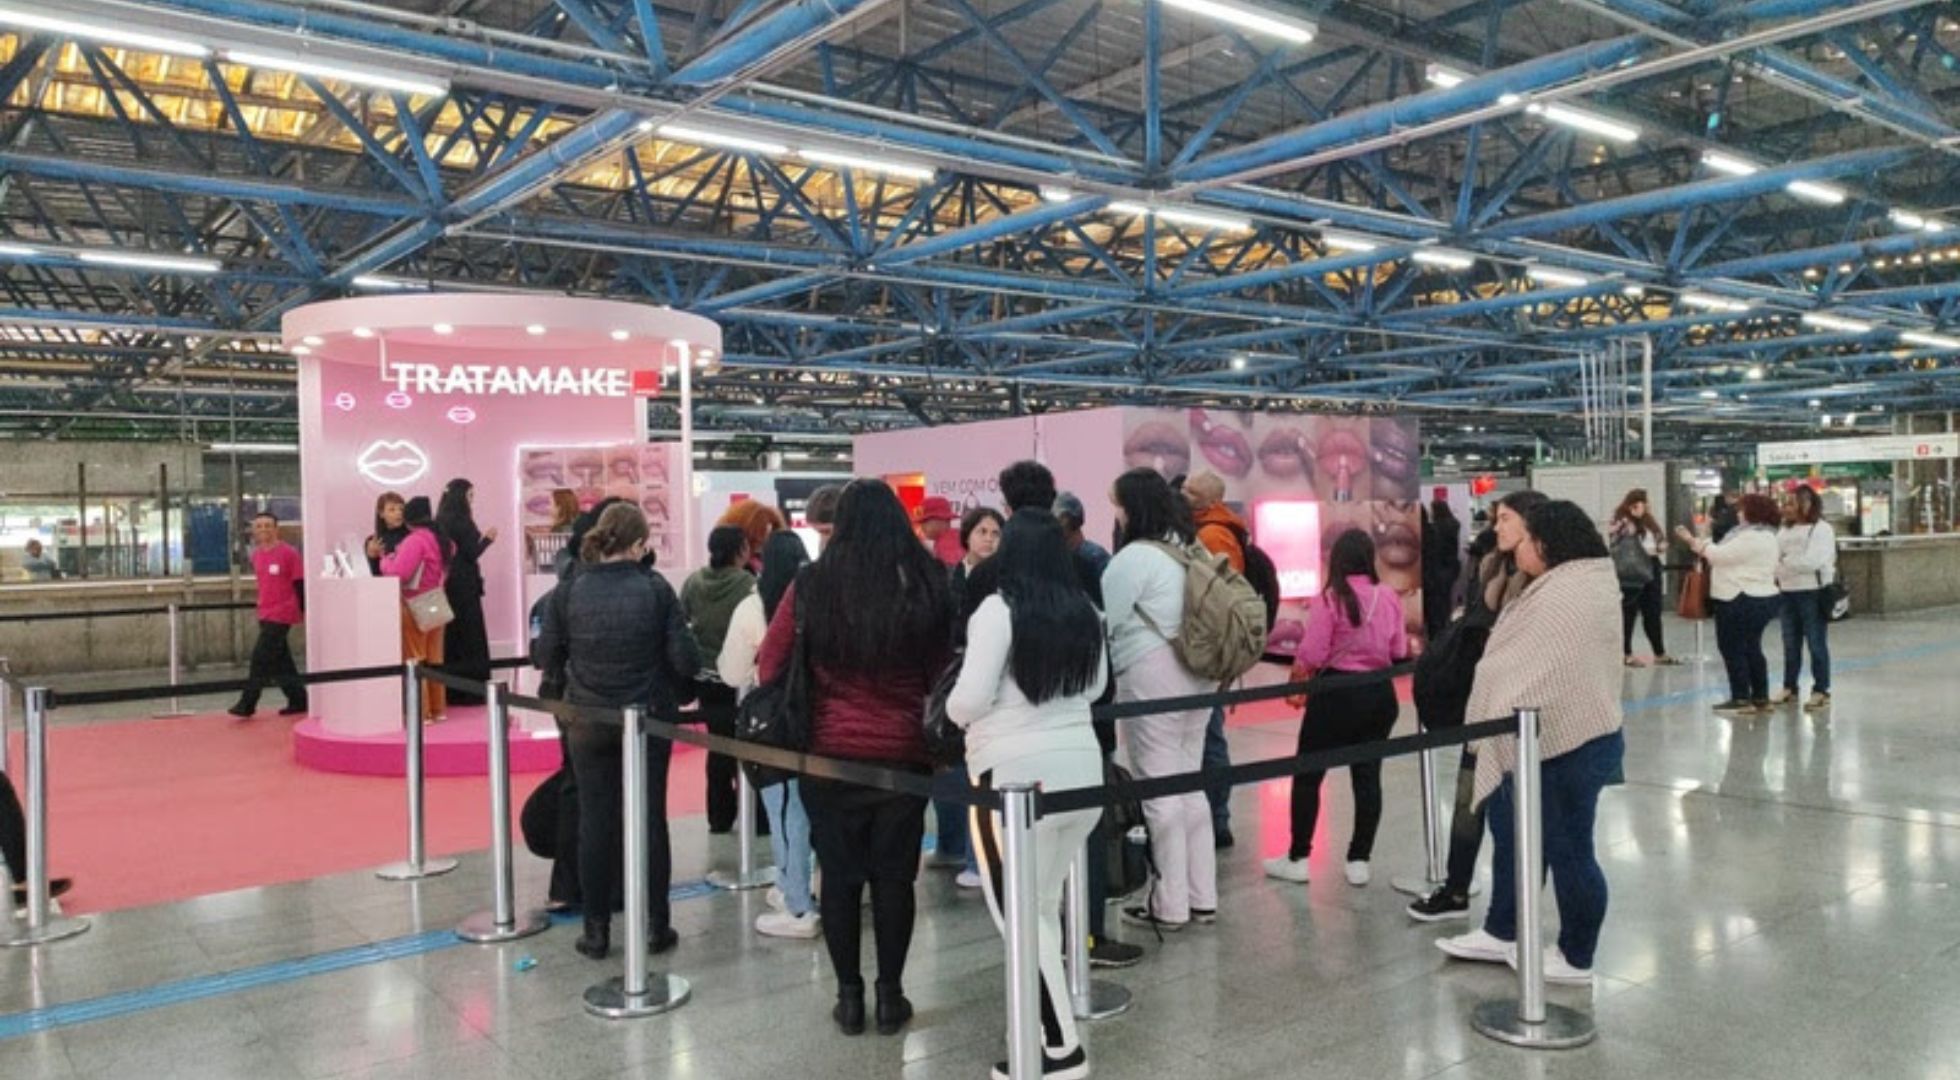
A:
(638, 992)
(1092, 999)
(417, 866)
(39, 929)
(502, 922)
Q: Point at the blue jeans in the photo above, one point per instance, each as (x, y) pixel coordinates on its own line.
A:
(1804, 622)
(1218, 755)
(789, 842)
(950, 840)
(1739, 625)
(1571, 784)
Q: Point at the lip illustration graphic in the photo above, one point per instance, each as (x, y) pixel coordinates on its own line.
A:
(398, 400)
(1398, 545)
(626, 469)
(654, 507)
(392, 462)
(461, 414)
(1160, 446)
(344, 401)
(545, 470)
(538, 505)
(1227, 449)
(587, 469)
(1340, 458)
(1394, 454)
(1283, 453)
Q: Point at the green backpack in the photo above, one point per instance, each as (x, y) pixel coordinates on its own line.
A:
(1224, 631)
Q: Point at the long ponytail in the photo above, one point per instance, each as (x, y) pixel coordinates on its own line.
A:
(619, 528)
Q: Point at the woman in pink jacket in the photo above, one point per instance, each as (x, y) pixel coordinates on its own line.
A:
(418, 562)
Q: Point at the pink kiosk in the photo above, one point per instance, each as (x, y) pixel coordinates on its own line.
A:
(520, 394)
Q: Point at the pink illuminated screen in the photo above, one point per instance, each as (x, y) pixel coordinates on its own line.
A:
(1289, 532)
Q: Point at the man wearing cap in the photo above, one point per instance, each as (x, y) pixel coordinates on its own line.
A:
(935, 527)
(1090, 556)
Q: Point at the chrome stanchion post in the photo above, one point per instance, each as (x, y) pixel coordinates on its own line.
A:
(176, 669)
(40, 928)
(637, 993)
(6, 705)
(1531, 1021)
(1435, 845)
(502, 922)
(747, 876)
(1092, 999)
(418, 865)
(1019, 903)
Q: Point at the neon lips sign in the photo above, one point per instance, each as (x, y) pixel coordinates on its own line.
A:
(508, 381)
(392, 462)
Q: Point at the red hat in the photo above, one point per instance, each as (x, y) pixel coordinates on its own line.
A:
(935, 508)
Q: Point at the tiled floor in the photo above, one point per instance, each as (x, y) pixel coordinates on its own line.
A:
(1782, 908)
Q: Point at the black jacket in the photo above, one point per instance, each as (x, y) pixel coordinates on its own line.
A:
(625, 639)
(464, 576)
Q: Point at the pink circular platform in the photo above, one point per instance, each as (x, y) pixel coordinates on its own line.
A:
(459, 746)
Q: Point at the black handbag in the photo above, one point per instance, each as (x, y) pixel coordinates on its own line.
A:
(945, 740)
(777, 713)
(1631, 561)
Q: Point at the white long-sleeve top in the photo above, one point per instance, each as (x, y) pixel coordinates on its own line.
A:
(1001, 724)
(746, 629)
(1743, 563)
(1143, 600)
(1806, 556)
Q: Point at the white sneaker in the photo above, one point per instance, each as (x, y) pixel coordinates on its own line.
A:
(1783, 696)
(1480, 946)
(1358, 874)
(784, 925)
(1283, 868)
(1819, 701)
(1560, 970)
(967, 879)
(774, 898)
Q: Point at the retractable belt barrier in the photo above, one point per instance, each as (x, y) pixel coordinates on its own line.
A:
(116, 613)
(1346, 680)
(72, 698)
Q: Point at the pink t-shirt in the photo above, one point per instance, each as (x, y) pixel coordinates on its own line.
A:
(277, 568)
(1335, 643)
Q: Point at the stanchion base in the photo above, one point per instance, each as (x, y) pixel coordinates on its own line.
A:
(482, 929)
(1563, 1028)
(754, 879)
(171, 714)
(609, 1000)
(403, 871)
(1422, 886)
(1106, 999)
(54, 930)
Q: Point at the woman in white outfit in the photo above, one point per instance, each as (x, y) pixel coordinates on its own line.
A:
(1806, 564)
(1034, 662)
(1143, 597)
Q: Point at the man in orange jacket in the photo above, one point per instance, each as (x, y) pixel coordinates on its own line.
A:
(1222, 532)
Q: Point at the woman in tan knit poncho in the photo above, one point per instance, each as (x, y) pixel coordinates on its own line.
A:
(1555, 649)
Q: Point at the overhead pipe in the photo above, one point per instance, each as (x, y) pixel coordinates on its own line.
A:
(188, 183)
(1904, 243)
(1041, 216)
(1779, 66)
(1388, 117)
(761, 40)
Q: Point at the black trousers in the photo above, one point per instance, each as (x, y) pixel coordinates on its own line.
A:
(717, 710)
(13, 830)
(272, 661)
(466, 642)
(564, 887)
(596, 766)
(1644, 602)
(1466, 827)
(1337, 718)
(863, 836)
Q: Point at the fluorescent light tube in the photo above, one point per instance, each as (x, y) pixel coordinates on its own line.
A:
(376, 281)
(1710, 395)
(1438, 75)
(1635, 291)
(1755, 372)
(700, 137)
(1136, 209)
(1931, 341)
(1590, 123)
(138, 261)
(1247, 17)
(1056, 194)
(106, 34)
(1833, 322)
(1818, 193)
(1545, 275)
(1711, 303)
(18, 250)
(1452, 260)
(1906, 219)
(358, 76)
(852, 161)
(1728, 163)
(1202, 220)
(1347, 242)
(253, 448)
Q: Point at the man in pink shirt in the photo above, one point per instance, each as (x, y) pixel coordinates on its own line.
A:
(282, 604)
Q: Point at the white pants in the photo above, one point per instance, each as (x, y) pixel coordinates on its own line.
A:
(1057, 839)
(1168, 744)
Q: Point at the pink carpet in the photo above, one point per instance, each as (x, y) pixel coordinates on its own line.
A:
(151, 811)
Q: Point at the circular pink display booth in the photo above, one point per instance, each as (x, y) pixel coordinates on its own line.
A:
(521, 395)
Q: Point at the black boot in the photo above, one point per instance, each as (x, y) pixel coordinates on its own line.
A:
(893, 1009)
(597, 939)
(849, 1012)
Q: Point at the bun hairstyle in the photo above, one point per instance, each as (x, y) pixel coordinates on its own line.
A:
(620, 527)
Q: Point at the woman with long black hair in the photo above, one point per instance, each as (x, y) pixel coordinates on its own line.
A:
(1354, 625)
(877, 623)
(1034, 663)
(466, 642)
(1143, 597)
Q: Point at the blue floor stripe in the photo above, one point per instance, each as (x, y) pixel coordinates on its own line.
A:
(203, 987)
